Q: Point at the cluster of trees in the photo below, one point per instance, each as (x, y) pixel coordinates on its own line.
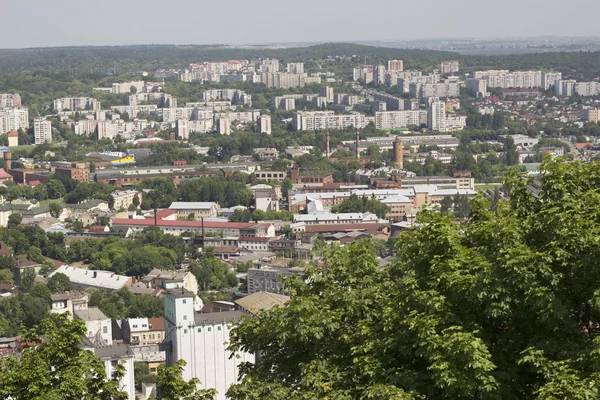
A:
(150, 249)
(355, 204)
(124, 304)
(212, 273)
(501, 305)
(57, 366)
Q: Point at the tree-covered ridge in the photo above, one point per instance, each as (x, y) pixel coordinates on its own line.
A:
(503, 305)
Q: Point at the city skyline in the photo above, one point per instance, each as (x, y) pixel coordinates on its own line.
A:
(119, 23)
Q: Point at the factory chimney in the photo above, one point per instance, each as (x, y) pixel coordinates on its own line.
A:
(399, 153)
(357, 146)
(7, 160)
(327, 150)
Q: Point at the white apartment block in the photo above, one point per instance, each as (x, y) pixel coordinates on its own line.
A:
(202, 340)
(181, 129)
(320, 120)
(476, 87)
(13, 119)
(224, 126)
(438, 120)
(505, 79)
(201, 125)
(550, 79)
(327, 92)
(444, 89)
(449, 67)
(42, 131)
(395, 65)
(287, 102)
(125, 198)
(75, 103)
(10, 100)
(363, 72)
(237, 97)
(295, 68)
(240, 116)
(587, 88)
(263, 124)
(400, 119)
(565, 87)
(125, 87)
(84, 127)
(269, 65)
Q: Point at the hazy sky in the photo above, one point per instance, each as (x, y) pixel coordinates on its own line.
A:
(41, 23)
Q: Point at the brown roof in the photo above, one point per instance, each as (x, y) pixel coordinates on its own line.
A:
(262, 301)
(27, 264)
(4, 250)
(156, 324)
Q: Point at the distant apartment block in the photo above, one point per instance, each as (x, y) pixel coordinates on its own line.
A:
(75, 104)
(320, 120)
(400, 119)
(126, 87)
(263, 124)
(395, 65)
(476, 87)
(295, 68)
(449, 67)
(224, 126)
(42, 131)
(10, 100)
(550, 79)
(443, 89)
(590, 115)
(505, 79)
(326, 92)
(438, 120)
(13, 119)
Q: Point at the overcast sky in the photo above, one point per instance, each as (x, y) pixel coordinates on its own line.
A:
(39, 23)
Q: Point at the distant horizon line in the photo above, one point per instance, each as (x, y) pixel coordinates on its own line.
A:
(313, 43)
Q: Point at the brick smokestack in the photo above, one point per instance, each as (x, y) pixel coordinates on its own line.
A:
(328, 150)
(357, 146)
(7, 160)
(399, 153)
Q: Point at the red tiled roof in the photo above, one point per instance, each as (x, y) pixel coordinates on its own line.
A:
(180, 224)
(4, 174)
(97, 228)
(165, 213)
(13, 134)
(34, 183)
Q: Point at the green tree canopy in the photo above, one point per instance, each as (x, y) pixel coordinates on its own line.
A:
(57, 367)
(503, 305)
(59, 283)
(170, 385)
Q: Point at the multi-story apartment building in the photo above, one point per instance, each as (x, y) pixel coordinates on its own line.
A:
(270, 278)
(263, 124)
(10, 100)
(125, 87)
(437, 120)
(327, 92)
(587, 88)
(319, 120)
(400, 119)
(395, 65)
(506, 79)
(565, 87)
(440, 89)
(449, 67)
(476, 87)
(295, 68)
(549, 79)
(75, 103)
(42, 131)
(590, 114)
(125, 198)
(13, 119)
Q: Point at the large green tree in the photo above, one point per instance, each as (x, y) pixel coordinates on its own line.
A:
(171, 385)
(57, 367)
(502, 305)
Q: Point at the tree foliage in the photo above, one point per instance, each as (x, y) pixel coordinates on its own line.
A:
(170, 385)
(57, 367)
(503, 305)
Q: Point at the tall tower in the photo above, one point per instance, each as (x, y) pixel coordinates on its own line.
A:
(399, 153)
(179, 329)
(327, 150)
(357, 146)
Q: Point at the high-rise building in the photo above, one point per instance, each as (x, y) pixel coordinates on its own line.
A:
(295, 68)
(181, 127)
(395, 65)
(326, 92)
(13, 119)
(400, 119)
(224, 126)
(565, 87)
(42, 131)
(323, 120)
(379, 75)
(476, 87)
(8, 100)
(505, 79)
(449, 67)
(590, 114)
(201, 340)
(263, 124)
(75, 103)
(437, 120)
(549, 79)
